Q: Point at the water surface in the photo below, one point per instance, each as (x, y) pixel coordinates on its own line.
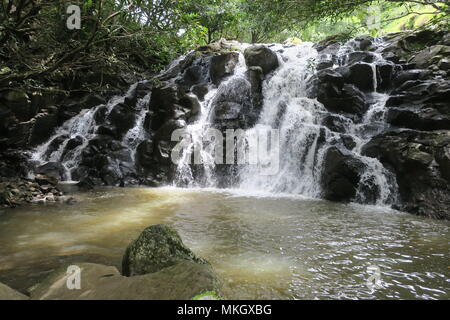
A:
(262, 246)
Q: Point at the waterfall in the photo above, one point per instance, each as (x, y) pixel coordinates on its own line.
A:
(304, 141)
(82, 129)
(288, 106)
(199, 152)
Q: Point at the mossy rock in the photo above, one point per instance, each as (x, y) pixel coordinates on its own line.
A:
(157, 247)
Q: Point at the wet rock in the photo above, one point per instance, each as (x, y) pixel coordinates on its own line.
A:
(44, 126)
(223, 65)
(421, 105)
(182, 281)
(341, 175)
(190, 101)
(360, 56)
(408, 75)
(6, 293)
(157, 247)
(200, 90)
(419, 162)
(261, 56)
(55, 170)
(144, 154)
(431, 55)
(361, 74)
(46, 181)
(122, 118)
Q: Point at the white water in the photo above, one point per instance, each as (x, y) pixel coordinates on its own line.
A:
(84, 126)
(287, 108)
(303, 139)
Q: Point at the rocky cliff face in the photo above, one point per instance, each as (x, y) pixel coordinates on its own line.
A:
(126, 140)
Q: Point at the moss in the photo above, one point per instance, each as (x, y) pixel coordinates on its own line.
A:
(212, 294)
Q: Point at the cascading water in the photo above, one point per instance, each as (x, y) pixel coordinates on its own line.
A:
(75, 134)
(288, 106)
(304, 140)
(200, 151)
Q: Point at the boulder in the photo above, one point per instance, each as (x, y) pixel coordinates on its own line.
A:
(261, 56)
(181, 281)
(44, 125)
(341, 175)
(144, 154)
(222, 65)
(157, 247)
(6, 293)
(45, 180)
(420, 163)
(361, 74)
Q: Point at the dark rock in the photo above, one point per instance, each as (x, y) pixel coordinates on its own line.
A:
(341, 175)
(157, 248)
(122, 118)
(360, 56)
(261, 56)
(223, 65)
(362, 75)
(419, 162)
(44, 126)
(43, 180)
(51, 169)
(144, 154)
(415, 74)
(200, 90)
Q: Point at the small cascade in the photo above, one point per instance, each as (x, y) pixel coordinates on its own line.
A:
(199, 153)
(69, 141)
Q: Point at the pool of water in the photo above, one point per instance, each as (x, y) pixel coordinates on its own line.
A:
(262, 246)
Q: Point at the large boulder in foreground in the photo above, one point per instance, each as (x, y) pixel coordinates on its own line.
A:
(6, 293)
(157, 247)
(341, 175)
(261, 56)
(182, 281)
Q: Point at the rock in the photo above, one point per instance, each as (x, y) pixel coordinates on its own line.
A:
(44, 125)
(261, 56)
(190, 101)
(419, 162)
(53, 170)
(336, 123)
(443, 159)
(223, 65)
(182, 281)
(360, 56)
(43, 180)
(341, 175)
(430, 55)
(408, 75)
(361, 74)
(200, 90)
(6, 293)
(122, 118)
(421, 105)
(157, 247)
(144, 154)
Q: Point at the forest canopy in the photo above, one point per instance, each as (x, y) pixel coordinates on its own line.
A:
(35, 40)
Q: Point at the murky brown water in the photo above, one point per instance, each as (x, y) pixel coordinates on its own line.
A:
(263, 247)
